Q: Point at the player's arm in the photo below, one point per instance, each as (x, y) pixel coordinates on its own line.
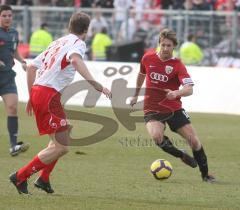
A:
(81, 68)
(140, 79)
(186, 90)
(139, 83)
(187, 84)
(31, 75)
(20, 59)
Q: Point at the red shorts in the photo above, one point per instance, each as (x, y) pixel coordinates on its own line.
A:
(49, 113)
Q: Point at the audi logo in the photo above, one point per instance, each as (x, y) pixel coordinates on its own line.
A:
(159, 77)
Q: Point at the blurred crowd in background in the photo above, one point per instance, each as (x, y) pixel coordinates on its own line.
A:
(223, 5)
(205, 38)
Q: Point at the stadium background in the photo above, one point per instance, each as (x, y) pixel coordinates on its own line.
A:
(115, 173)
(216, 28)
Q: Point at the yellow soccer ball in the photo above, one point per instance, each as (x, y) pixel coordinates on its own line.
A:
(161, 169)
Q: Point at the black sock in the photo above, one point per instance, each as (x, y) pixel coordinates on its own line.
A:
(12, 124)
(168, 147)
(201, 159)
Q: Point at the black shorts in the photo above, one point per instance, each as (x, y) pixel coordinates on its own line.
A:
(8, 87)
(175, 120)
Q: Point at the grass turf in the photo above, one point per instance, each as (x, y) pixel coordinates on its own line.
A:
(115, 173)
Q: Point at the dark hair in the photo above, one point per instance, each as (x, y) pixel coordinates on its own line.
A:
(168, 34)
(79, 23)
(104, 30)
(190, 37)
(5, 7)
(43, 25)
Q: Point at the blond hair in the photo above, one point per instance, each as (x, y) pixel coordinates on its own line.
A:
(168, 34)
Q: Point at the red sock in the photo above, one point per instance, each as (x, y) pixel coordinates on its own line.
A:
(45, 172)
(32, 167)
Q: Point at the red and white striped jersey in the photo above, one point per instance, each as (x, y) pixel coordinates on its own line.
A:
(54, 67)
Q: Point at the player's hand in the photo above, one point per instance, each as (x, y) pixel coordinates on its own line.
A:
(29, 108)
(172, 94)
(107, 93)
(133, 100)
(2, 63)
(24, 66)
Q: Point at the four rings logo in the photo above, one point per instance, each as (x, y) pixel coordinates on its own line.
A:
(159, 77)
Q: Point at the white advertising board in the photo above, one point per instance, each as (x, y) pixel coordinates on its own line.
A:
(216, 90)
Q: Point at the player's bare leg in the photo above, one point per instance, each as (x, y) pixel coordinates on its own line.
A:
(156, 130)
(189, 133)
(57, 148)
(42, 182)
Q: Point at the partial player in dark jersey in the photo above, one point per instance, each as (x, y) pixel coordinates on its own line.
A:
(162, 102)
(8, 89)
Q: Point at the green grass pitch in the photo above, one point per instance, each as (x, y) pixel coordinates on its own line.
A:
(115, 173)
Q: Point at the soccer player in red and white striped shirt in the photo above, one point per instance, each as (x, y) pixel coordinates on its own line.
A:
(47, 76)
